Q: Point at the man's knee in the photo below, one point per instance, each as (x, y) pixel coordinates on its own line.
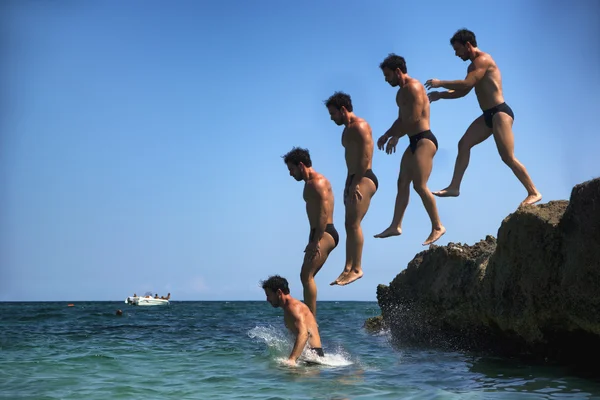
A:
(508, 158)
(352, 223)
(403, 182)
(464, 146)
(420, 188)
(306, 275)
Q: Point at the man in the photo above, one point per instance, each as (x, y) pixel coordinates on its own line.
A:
(361, 183)
(297, 316)
(497, 118)
(417, 161)
(323, 236)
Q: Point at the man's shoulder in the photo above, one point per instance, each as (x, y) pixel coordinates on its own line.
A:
(415, 84)
(413, 87)
(297, 308)
(484, 60)
(359, 125)
(318, 182)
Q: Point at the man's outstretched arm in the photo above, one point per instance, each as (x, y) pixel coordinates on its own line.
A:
(476, 73)
(301, 338)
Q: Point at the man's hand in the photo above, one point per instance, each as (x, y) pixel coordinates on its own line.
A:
(312, 250)
(391, 145)
(434, 96)
(432, 83)
(290, 362)
(356, 195)
(381, 141)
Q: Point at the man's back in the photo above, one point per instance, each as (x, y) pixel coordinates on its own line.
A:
(414, 107)
(317, 193)
(489, 88)
(358, 141)
(298, 314)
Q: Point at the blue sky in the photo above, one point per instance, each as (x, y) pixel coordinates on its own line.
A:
(140, 141)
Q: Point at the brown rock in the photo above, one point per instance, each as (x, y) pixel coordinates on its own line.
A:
(536, 289)
(521, 284)
(375, 324)
(580, 271)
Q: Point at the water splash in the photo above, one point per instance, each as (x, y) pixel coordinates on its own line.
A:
(280, 345)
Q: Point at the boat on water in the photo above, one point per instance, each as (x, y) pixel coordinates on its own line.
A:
(148, 300)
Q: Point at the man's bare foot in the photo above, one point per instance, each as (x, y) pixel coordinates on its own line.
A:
(448, 192)
(339, 278)
(435, 235)
(532, 199)
(347, 277)
(391, 231)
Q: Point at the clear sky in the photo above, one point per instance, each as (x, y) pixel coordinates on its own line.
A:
(141, 141)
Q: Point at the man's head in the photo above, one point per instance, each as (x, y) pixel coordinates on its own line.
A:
(464, 44)
(275, 288)
(298, 161)
(339, 105)
(394, 68)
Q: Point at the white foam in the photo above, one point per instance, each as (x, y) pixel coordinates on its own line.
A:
(329, 360)
(280, 345)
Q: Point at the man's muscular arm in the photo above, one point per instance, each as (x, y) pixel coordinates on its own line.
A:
(360, 134)
(411, 110)
(475, 73)
(396, 128)
(454, 94)
(301, 337)
(319, 194)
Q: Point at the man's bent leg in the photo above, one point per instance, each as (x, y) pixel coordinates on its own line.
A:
(478, 132)
(423, 164)
(310, 268)
(503, 135)
(404, 179)
(355, 212)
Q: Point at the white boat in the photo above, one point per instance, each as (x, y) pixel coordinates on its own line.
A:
(147, 300)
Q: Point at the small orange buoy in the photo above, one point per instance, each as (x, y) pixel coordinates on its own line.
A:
(70, 305)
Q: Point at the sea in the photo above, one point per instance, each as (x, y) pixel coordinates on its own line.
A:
(235, 350)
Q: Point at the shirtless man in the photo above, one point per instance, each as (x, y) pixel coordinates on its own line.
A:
(298, 318)
(361, 183)
(497, 117)
(323, 236)
(417, 161)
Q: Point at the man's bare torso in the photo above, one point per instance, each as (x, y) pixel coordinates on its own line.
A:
(313, 201)
(419, 105)
(357, 139)
(489, 88)
(303, 312)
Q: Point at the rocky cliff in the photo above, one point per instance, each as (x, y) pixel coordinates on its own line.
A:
(534, 290)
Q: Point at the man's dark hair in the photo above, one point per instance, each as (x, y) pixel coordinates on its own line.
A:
(275, 283)
(339, 100)
(393, 61)
(464, 36)
(297, 156)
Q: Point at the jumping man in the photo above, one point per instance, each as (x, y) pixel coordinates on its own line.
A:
(497, 119)
(323, 236)
(417, 160)
(361, 182)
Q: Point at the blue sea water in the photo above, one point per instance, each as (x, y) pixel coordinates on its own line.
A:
(233, 350)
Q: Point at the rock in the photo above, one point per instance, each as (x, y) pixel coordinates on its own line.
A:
(521, 284)
(374, 324)
(580, 271)
(535, 290)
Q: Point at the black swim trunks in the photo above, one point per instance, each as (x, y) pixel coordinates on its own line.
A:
(488, 115)
(329, 229)
(319, 351)
(414, 139)
(368, 174)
